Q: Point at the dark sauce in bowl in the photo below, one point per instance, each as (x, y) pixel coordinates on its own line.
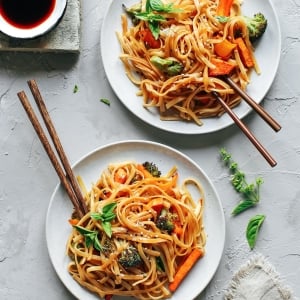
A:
(26, 14)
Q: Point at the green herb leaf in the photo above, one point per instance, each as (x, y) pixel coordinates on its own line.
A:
(97, 244)
(109, 208)
(105, 101)
(242, 206)
(253, 228)
(159, 6)
(107, 228)
(83, 230)
(152, 16)
(249, 192)
(90, 237)
(105, 217)
(75, 89)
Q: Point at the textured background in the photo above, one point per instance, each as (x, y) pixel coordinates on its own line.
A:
(27, 178)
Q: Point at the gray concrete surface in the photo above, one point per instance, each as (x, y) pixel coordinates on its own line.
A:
(27, 178)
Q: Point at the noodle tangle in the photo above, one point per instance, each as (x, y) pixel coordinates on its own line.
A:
(137, 255)
(188, 37)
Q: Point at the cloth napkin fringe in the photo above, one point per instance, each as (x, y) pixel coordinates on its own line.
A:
(256, 262)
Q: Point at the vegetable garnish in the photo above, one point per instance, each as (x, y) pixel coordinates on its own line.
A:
(152, 16)
(106, 217)
(184, 269)
(253, 229)
(249, 192)
(105, 101)
(91, 237)
(75, 89)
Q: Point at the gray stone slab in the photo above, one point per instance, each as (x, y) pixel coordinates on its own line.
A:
(65, 37)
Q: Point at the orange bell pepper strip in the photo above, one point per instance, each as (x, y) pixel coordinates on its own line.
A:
(223, 8)
(221, 67)
(244, 53)
(224, 49)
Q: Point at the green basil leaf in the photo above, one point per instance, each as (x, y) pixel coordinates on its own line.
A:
(148, 6)
(159, 6)
(97, 244)
(109, 207)
(150, 17)
(253, 228)
(109, 217)
(97, 216)
(154, 27)
(242, 206)
(107, 228)
(83, 230)
(156, 5)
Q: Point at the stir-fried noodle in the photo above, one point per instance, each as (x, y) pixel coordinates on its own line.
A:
(138, 231)
(188, 37)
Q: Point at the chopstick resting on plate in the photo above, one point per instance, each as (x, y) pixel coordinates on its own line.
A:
(259, 109)
(245, 130)
(60, 162)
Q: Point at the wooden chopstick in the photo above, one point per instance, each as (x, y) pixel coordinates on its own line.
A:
(62, 167)
(246, 131)
(259, 109)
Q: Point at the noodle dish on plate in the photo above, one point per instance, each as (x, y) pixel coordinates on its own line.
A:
(169, 56)
(147, 233)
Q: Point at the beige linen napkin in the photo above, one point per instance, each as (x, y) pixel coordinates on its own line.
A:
(257, 280)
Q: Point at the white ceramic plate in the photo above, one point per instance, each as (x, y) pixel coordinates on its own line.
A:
(267, 54)
(90, 167)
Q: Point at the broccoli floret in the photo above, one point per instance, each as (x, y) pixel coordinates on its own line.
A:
(169, 66)
(256, 26)
(130, 258)
(152, 169)
(165, 221)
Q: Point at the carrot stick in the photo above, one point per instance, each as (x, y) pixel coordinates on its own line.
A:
(144, 171)
(244, 52)
(223, 8)
(185, 268)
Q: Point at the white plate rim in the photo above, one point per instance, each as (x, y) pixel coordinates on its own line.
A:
(258, 88)
(214, 255)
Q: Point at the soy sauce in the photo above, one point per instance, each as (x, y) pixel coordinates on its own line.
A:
(26, 14)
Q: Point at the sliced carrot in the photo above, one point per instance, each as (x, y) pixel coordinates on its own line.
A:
(120, 175)
(221, 67)
(244, 53)
(224, 49)
(185, 268)
(178, 230)
(146, 173)
(223, 8)
(73, 221)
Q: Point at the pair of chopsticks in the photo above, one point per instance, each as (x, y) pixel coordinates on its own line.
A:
(259, 109)
(57, 156)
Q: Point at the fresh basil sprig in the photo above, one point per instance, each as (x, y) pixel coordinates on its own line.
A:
(253, 228)
(90, 236)
(249, 192)
(152, 14)
(105, 217)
